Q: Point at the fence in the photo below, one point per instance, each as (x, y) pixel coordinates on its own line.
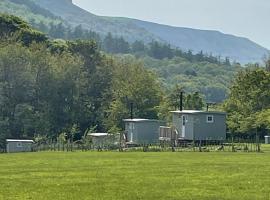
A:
(231, 145)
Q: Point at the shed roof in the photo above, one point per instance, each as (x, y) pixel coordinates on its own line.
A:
(98, 134)
(141, 120)
(198, 112)
(13, 140)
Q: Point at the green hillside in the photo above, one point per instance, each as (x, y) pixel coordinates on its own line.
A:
(211, 42)
(219, 44)
(76, 16)
(29, 11)
(210, 79)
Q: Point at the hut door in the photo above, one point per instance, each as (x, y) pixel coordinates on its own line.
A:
(184, 119)
(131, 130)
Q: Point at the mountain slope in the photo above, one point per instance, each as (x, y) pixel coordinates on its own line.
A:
(236, 48)
(217, 43)
(102, 25)
(212, 42)
(29, 11)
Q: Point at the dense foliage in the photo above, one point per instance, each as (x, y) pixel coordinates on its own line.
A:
(211, 80)
(48, 88)
(248, 105)
(29, 11)
(198, 72)
(21, 30)
(115, 45)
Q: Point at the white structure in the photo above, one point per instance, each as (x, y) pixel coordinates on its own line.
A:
(200, 125)
(267, 139)
(19, 145)
(101, 140)
(142, 131)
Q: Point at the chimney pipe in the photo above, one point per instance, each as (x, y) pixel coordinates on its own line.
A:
(181, 101)
(131, 110)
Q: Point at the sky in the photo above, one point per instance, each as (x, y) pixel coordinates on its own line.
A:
(245, 18)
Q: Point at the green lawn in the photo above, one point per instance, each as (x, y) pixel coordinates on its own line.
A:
(113, 175)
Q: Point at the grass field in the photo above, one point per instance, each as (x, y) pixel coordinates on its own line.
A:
(113, 175)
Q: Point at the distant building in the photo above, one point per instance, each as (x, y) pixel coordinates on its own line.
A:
(14, 146)
(267, 139)
(199, 125)
(104, 140)
(142, 131)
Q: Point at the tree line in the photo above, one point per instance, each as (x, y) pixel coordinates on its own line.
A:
(207, 74)
(113, 44)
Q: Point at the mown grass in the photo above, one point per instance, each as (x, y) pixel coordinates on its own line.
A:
(114, 175)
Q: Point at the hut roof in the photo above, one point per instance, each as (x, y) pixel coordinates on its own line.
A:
(14, 140)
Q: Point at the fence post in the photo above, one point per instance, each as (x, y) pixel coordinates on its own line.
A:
(233, 150)
(200, 146)
(258, 149)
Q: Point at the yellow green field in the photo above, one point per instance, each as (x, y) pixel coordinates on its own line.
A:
(117, 176)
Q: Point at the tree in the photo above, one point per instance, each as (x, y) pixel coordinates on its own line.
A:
(96, 77)
(122, 46)
(78, 32)
(57, 31)
(129, 85)
(108, 43)
(138, 46)
(227, 61)
(194, 102)
(249, 96)
(267, 63)
(37, 90)
(174, 97)
(199, 56)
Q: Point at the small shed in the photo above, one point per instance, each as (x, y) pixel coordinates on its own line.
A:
(104, 140)
(200, 125)
(142, 131)
(267, 139)
(14, 146)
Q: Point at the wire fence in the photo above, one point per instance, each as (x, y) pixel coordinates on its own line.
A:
(230, 145)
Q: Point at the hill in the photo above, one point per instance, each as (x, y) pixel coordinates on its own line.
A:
(64, 11)
(236, 48)
(29, 11)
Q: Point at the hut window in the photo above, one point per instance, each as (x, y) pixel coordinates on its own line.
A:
(210, 119)
(184, 120)
(19, 144)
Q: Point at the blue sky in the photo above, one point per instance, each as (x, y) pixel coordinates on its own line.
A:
(246, 18)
